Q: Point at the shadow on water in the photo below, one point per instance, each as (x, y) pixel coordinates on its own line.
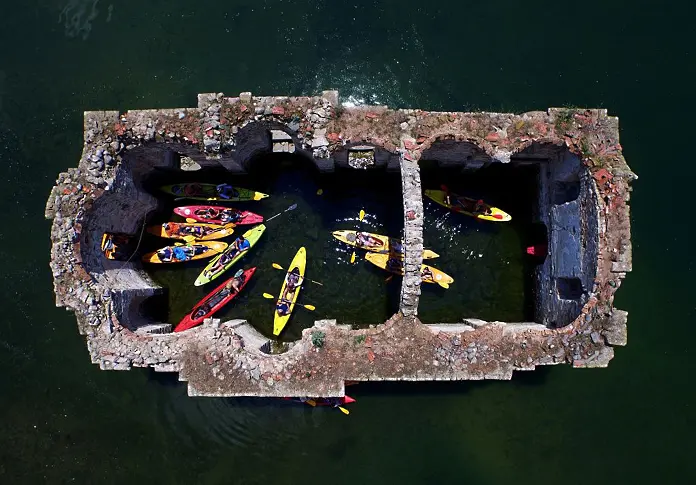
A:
(493, 276)
(356, 294)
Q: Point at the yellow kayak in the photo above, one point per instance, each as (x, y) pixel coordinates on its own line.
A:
(180, 253)
(191, 231)
(396, 266)
(377, 243)
(288, 297)
(468, 206)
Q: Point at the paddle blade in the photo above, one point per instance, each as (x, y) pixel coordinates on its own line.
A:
(268, 296)
(352, 258)
(277, 266)
(189, 239)
(311, 402)
(362, 215)
(343, 410)
(389, 278)
(320, 191)
(188, 219)
(311, 308)
(292, 207)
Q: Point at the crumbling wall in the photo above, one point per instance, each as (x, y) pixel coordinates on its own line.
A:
(450, 152)
(213, 358)
(568, 208)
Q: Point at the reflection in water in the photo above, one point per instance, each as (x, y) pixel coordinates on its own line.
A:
(77, 17)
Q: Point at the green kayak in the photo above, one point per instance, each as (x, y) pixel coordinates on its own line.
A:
(226, 259)
(212, 192)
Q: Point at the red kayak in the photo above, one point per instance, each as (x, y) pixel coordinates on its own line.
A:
(215, 214)
(324, 401)
(213, 302)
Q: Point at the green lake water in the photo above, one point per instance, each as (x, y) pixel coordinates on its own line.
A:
(67, 422)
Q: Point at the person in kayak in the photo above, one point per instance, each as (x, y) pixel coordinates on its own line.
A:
(366, 240)
(202, 311)
(224, 260)
(170, 227)
(427, 274)
(207, 213)
(165, 254)
(236, 282)
(196, 231)
(240, 244)
(283, 307)
(227, 191)
(183, 253)
(293, 281)
(228, 216)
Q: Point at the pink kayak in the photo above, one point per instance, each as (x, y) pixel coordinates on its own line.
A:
(215, 214)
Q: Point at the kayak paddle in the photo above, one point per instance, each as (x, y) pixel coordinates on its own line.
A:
(360, 218)
(277, 266)
(343, 410)
(291, 208)
(311, 308)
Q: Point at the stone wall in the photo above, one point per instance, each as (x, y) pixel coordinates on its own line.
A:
(216, 359)
(568, 208)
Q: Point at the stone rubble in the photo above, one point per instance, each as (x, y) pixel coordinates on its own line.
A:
(227, 359)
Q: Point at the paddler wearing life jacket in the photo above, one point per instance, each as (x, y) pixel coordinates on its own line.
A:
(293, 282)
(366, 240)
(236, 282)
(229, 216)
(240, 244)
(227, 191)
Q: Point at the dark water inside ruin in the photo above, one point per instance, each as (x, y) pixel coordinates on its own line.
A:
(66, 421)
(355, 294)
(492, 274)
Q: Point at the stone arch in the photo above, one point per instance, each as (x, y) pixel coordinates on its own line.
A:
(449, 151)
